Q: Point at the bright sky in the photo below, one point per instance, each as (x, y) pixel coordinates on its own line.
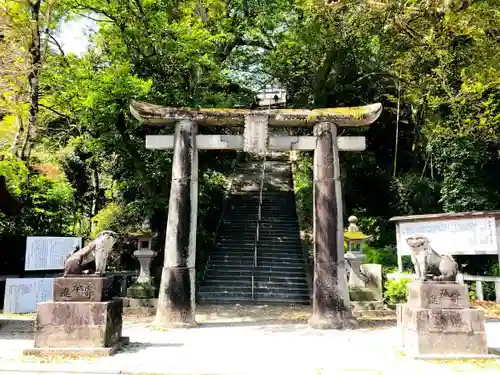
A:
(74, 35)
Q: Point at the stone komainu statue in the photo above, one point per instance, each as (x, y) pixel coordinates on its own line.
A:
(428, 262)
(98, 250)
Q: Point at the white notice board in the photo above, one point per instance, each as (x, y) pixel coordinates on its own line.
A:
(22, 295)
(48, 253)
(455, 237)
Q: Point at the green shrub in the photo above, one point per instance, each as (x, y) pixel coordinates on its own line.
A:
(396, 291)
(386, 256)
(142, 290)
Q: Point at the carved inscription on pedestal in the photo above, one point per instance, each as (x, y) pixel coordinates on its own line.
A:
(433, 295)
(448, 320)
(78, 291)
(82, 289)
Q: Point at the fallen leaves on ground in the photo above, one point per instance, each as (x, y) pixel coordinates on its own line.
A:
(491, 309)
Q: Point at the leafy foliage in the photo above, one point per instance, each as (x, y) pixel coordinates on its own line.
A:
(396, 291)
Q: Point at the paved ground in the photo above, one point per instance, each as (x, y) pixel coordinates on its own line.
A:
(241, 341)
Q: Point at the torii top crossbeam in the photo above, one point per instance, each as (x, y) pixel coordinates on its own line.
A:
(344, 116)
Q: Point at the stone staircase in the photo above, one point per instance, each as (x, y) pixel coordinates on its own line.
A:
(280, 274)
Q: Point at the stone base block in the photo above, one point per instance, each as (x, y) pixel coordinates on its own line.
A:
(357, 293)
(374, 313)
(421, 343)
(82, 289)
(437, 295)
(140, 306)
(441, 320)
(78, 324)
(367, 305)
(76, 352)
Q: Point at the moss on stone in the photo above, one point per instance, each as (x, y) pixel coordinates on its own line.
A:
(355, 236)
(361, 294)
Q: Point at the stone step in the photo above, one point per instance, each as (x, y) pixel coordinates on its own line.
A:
(229, 279)
(281, 279)
(263, 258)
(225, 293)
(279, 254)
(209, 288)
(282, 221)
(262, 254)
(270, 296)
(260, 267)
(276, 241)
(278, 250)
(261, 273)
(233, 252)
(235, 247)
(212, 300)
(223, 300)
(213, 263)
(279, 247)
(273, 266)
(247, 236)
(271, 237)
(258, 286)
(258, 282)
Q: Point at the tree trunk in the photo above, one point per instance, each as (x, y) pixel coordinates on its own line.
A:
(18, 136)
(35, 54)
(95, 198)
(331, 305)
(176, 299)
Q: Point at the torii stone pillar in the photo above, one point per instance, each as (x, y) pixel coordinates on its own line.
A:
(176, 300)
(331, 305)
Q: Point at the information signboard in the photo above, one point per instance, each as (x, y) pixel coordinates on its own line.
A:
(22, 295)
(466, 236)
(48, 253)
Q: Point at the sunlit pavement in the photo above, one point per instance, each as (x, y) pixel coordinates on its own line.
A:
(244, 348)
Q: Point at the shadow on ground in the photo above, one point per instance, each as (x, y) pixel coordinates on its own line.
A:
(265, 315)
(135, 347)
(292, 325)
(19, 329)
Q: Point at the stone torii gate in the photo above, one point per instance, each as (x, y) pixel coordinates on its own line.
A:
(331, 305)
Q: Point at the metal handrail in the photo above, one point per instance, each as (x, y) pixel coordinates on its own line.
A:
(257, 231)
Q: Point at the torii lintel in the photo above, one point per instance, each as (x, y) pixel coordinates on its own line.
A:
(153, 114)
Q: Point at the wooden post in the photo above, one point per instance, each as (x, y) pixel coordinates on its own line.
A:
(176, 300)
(331, 305)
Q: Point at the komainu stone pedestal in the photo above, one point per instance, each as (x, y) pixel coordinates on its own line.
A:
(81, 320)
(437, 322)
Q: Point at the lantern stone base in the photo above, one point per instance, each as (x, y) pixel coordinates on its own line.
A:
(141, 299)
(437, 322)
(139, 306)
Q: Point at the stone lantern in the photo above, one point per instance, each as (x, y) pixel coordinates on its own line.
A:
(144, 253)
(143, 288)
(355, 256)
